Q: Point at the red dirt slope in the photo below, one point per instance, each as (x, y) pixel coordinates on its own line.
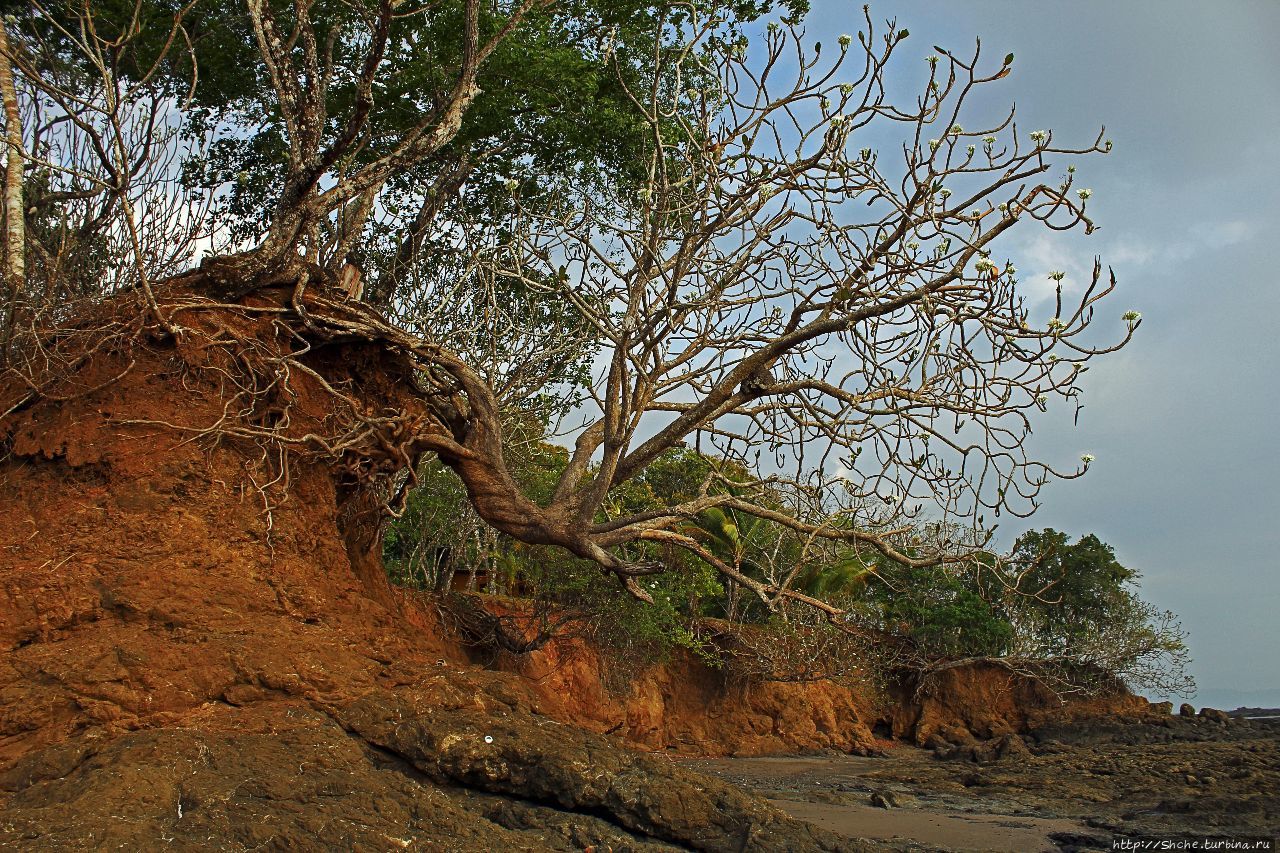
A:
(193, 662)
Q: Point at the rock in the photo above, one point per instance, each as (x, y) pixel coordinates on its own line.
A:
(1012, 746)
(1215, 716)
(986, 752)
(550, 764)
(938, 743)
(380, 773)
(884, 800)
(1162, 708)
(1186, 710)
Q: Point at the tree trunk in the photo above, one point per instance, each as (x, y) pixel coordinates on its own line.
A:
(14, 217)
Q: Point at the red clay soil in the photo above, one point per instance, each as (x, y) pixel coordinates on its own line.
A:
(984, 700)
(198, 662)
(686, 707)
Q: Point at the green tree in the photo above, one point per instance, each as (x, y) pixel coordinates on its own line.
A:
(1076, 605)
(947, 612)
(1068, 589)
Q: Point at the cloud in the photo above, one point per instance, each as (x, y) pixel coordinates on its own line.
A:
(1130, 254)
(1219, 235)
(1046, 253)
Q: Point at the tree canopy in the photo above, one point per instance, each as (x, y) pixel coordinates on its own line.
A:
(646, 227)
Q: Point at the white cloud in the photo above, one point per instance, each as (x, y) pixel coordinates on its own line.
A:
(1217, 235)
(1046, 253)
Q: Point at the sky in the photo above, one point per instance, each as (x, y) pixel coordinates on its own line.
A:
(1183, 422)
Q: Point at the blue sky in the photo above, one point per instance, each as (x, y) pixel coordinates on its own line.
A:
(1186, 485)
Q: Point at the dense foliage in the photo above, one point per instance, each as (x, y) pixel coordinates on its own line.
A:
(1067, 611)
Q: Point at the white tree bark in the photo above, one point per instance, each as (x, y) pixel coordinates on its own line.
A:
(15, 223)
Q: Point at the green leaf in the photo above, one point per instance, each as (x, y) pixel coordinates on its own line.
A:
(1008, 60)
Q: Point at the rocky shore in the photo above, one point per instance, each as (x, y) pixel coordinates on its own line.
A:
(1068, 787)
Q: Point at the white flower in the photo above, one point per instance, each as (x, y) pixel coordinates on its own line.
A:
(1086, 458)
(944, 192)
(932, 60)
(1056, 324)
(1039, 136)
(1084, 194)
(956, 130)
(1041, 399)
(846, 89)
(988, 140)
(1057, 275)
(1009, 269)
(766, 193)
(913, 245)
(933, 144)
(1003, 208)
(845, 40)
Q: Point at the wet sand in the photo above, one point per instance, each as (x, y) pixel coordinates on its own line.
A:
(954, 831)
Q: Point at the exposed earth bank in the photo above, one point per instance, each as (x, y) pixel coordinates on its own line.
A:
(197, 657)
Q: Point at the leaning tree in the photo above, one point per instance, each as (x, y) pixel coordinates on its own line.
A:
(798, 268)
